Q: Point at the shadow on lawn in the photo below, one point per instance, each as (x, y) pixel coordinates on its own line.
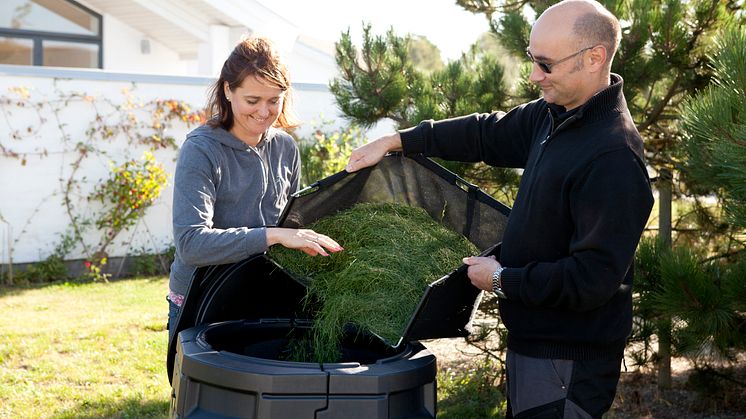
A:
(703, 392)
(20, 289)
(110, 408)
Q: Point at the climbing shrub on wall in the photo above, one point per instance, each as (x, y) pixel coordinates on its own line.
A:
(131, 188)
(98, 210)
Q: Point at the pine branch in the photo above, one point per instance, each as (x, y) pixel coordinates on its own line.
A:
(658, 110)
(723, 255)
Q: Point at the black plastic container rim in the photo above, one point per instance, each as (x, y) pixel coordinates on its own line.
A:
(402, 351)
(474, 191)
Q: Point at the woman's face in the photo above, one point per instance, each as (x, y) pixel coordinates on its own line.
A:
(256, 105)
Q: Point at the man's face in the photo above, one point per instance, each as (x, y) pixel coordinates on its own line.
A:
(553, 45)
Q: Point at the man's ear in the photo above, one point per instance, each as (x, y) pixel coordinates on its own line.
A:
(597, 56)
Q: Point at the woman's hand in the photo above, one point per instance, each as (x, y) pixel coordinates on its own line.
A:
(371, 153)
(309, 241)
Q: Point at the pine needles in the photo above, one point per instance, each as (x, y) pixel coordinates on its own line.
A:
(392, 251)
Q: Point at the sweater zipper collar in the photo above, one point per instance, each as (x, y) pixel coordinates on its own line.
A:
(553, 130)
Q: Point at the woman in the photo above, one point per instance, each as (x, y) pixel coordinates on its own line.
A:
(235, 173)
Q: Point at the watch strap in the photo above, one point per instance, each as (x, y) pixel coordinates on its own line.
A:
(496, 283)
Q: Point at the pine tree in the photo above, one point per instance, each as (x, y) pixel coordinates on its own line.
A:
(700, 302)
(380, 81)
(714, 152)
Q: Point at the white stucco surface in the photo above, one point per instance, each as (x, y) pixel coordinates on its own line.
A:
(33, 216)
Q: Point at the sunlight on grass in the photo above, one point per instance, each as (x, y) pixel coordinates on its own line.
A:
(470, 392)
(93, 350)
(99, 351)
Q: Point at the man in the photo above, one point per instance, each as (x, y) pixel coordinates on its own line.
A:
(564, 272)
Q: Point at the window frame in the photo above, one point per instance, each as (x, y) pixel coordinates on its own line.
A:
(38, 37)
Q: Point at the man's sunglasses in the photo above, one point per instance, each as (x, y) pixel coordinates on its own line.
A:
(546, 67)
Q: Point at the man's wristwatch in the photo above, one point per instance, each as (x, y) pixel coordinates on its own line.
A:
(496, 283)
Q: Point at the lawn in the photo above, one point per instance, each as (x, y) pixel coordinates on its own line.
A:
(98, 350)
(84, 351)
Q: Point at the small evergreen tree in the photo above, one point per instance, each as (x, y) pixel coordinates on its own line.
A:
(701, 301)
(714, 152)
(380, 81)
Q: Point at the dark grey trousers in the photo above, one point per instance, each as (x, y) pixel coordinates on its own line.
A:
(560, 388)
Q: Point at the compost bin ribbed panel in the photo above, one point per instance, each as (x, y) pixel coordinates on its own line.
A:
(213, 383)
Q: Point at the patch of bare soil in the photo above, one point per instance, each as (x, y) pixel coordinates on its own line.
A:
(695, 393)
(708, 394)
(452, 353)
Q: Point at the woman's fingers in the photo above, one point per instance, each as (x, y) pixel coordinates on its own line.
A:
(328, 243)
(318, 244)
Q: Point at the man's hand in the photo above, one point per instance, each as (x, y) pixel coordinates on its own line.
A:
(480, 271)
(371, 153)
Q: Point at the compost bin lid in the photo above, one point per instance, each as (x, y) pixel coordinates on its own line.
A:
(448, 304)
(412, 180)
(258, 288)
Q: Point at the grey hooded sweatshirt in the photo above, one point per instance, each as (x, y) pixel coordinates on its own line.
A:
(225, 194)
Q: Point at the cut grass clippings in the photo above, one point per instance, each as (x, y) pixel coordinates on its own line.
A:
(84, 350)
(392, 251)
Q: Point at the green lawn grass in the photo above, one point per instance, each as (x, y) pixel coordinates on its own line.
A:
(84, 351)
(98, 350)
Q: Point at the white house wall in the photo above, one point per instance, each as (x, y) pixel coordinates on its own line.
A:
(123, 52)
(193, 37)
(35, 211)
(308, 65)
(32, 214)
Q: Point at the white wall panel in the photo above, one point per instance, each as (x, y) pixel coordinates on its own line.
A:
(32, 198)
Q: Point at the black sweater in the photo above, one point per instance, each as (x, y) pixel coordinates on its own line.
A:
(582, 204)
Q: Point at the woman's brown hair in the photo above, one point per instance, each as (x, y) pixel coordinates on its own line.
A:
(252, 57)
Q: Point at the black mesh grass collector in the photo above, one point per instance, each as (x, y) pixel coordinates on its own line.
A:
(228, 357)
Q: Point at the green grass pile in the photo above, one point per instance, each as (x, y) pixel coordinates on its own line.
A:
(392, 251)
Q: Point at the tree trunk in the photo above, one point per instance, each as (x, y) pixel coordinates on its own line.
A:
(664, 354)
(665, 224)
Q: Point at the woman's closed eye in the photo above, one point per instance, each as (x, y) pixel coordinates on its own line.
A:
(273, 101)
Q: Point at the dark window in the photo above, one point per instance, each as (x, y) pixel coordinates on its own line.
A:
(60, 33)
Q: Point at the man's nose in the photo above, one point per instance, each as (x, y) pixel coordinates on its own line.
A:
(536, 74)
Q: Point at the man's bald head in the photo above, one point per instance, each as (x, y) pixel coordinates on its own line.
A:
(587, 21)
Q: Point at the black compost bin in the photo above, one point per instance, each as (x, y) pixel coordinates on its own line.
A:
(229, 355)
